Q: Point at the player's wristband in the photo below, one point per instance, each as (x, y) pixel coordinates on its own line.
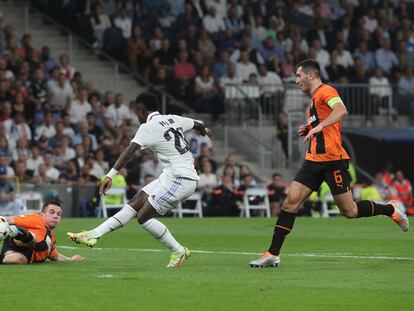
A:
(112, 173)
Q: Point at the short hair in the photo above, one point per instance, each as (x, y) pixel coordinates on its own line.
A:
(51, 202)
(148, 100)
(276, 175)
(309, 65)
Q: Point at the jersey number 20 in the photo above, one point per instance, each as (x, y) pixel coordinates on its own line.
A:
(178, 138)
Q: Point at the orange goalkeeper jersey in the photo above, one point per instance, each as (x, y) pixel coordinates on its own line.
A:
(45, 239)
(326, 145)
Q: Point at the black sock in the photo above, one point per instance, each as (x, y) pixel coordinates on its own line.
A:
(284, 225)
(370, 208)
(23, 235)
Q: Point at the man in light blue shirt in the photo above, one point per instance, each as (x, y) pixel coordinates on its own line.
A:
(386, 58)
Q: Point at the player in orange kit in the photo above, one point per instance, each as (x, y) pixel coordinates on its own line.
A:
(325, 160)
(31, 238)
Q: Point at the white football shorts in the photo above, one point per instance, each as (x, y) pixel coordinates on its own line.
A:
(164, 194)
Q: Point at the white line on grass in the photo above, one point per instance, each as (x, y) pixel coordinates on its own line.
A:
(321, 255)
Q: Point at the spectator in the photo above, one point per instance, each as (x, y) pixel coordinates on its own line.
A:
(270, 82)
(343, 55)
(79, 108)
(117, 114)
(245, 67)
(365, 55)
(38, 88)
(183, 72)
(21, 172)
(207, 93)
(196, 142)
(21, 152)
(8, 203)
(205, 156)
(4, 147)
(40, 177)
(51, 171)
(100, 22)
(282, 131)
(205, 45)
(69, 174)
(65, 67)
(322, 57)
(61, 94)
(47, 128)
(164, 56)
(386, 58)
(207, 182)
(150, 167)
(6, 164)
(86, 177)
(123, 22)
(83, 132)
(406, 92)
(138, 52)
(34, 159)
(233, 21)
(223, 200)
(213, 22)
(380, 91)
(156, 40)
(47, 63)
(404, 189)
(336, 72)
(276, 192)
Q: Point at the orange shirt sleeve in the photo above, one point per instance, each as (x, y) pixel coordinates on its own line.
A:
(29, 221)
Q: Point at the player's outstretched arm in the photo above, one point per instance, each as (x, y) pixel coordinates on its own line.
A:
(122, 160)
(61, 257)
(203, 130)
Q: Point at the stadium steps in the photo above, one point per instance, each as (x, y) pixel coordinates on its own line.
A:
(100, 72)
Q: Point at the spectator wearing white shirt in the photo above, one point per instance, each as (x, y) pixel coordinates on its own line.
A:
(245, 67)
(123, 22)
(117, 114)
(4, 162)
(344, 57)
(322, 57)
(213, 22)
(370, 20)
(47, 128)
(61, 93)
(227, 82)
(34, 159)
(270, 83)
(79, 108)
(51, 171)
(208, 180)
(380, 92)
(68, 151)
(16, 129)
(150, 167)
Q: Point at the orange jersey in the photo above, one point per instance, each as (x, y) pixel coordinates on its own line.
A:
(45, 239)
(326, 145)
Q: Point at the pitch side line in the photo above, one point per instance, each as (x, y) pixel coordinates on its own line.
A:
(320, 255)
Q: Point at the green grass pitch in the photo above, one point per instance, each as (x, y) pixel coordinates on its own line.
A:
(327, 264)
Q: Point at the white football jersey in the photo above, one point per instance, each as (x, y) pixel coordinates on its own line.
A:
(164, 135)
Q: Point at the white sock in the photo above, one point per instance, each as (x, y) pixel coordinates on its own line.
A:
(159, 231)
(117, 221)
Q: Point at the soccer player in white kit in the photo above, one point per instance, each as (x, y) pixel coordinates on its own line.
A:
(164, 135)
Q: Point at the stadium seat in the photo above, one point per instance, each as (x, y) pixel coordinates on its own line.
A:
(114, 199)
(32, 201)
(196, 210)
(326, 211)
(247, 206)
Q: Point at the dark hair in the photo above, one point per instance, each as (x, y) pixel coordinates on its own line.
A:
(276, 175)
(53, 202)
(310, 65)
(148, 100)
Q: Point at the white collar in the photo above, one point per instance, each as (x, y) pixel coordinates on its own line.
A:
(152, 114)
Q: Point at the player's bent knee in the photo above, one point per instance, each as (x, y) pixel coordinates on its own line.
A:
(290, 206)
(351, 213)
